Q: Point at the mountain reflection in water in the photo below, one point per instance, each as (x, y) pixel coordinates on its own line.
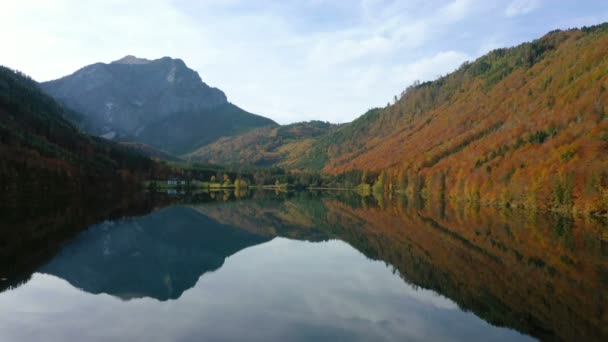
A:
(159, 256)
(238, 262)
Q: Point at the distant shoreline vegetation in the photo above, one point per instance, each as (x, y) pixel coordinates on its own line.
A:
(365, 183)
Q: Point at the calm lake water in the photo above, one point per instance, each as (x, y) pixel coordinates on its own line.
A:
(298, 267)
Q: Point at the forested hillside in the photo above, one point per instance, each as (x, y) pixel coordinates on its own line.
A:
(277, 146)
(523, 126)
(40, 150)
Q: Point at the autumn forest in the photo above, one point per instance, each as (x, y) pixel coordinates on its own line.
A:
(396, 170)
(523, 127)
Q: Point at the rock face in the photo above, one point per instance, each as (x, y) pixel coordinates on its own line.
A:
(122, 99)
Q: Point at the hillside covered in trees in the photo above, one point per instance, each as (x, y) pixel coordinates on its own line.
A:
(41, 150)
(266, 146)
(523, 126)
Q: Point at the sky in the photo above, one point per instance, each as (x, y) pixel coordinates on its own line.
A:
(288, 60)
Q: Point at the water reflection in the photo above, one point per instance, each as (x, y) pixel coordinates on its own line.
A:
(33, 230)
(159, 256)
(440, 273)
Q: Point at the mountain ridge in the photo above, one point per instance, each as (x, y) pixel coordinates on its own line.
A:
(512, 128)
(127, 98)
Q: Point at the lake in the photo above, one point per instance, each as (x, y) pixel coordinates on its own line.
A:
(302, 266)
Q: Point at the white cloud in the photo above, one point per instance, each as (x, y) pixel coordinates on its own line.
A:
(521, 7)
(457, 10)
(433, 67)
(309, 59)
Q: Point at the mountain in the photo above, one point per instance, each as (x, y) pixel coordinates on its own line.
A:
(151, 152)
(265, 146)
(158, 102)
(523, 126)
(41, 150)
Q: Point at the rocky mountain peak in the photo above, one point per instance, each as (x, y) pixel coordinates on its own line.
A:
(159, 102)
(130, 59)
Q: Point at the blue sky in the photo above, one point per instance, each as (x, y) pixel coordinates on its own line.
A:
(288, 60)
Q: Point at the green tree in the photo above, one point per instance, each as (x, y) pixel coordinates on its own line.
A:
(227, 181)
(240, 183)
(402, 182)
(364, 177)
(379, 184)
